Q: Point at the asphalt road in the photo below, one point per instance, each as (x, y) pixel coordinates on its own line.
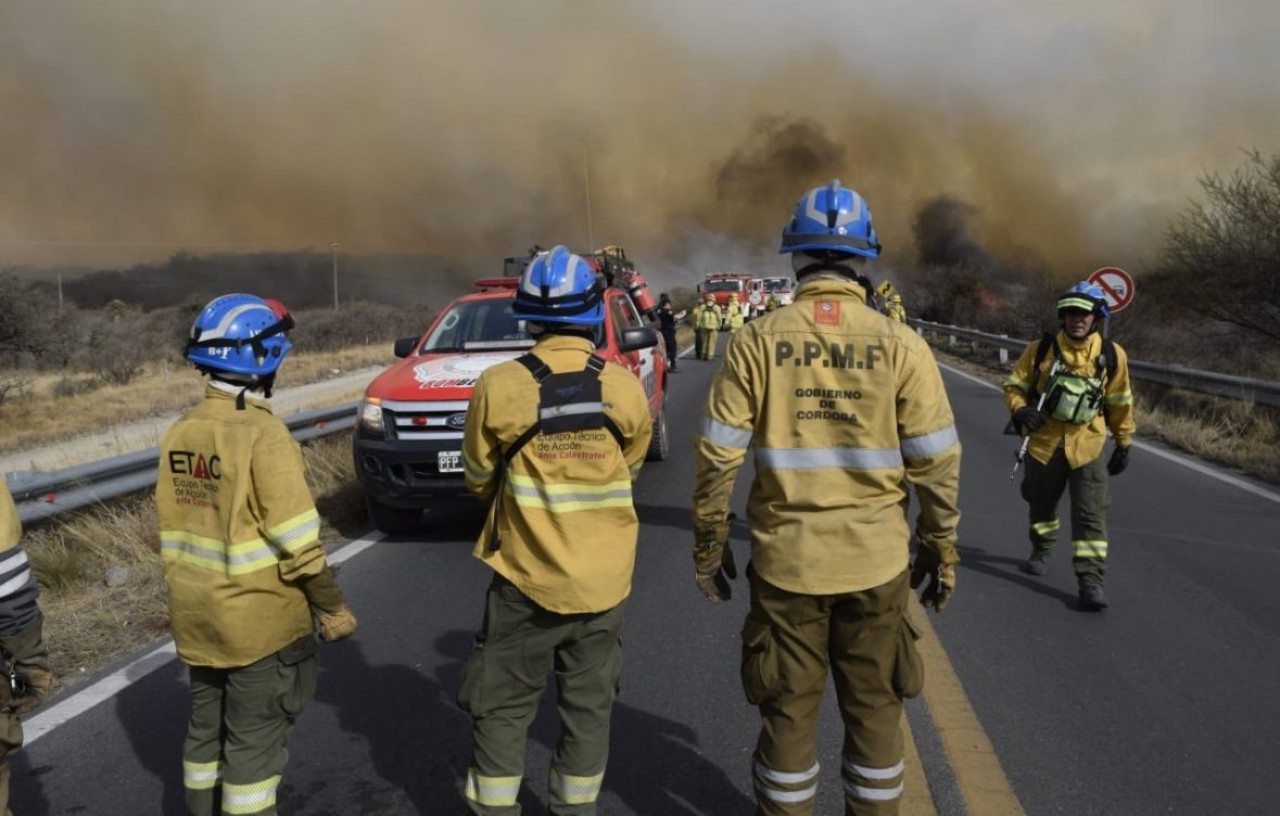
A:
(1166, 703)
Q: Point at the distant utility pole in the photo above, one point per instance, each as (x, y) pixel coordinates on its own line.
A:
(59, 291)
(334, 248)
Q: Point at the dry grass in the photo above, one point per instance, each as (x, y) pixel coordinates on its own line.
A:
(1229, 432)
(89, 624)
(41, 416)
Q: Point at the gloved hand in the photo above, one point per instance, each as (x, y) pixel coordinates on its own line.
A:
(1029, 417)
(942, 578)
(1119, 460)
(27, 659)
(337, 625)
(713, 563)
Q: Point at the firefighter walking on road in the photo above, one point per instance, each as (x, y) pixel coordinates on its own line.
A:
(26, 659)
(839, 404)
(554, 439)
(707, 325)
(1066, 390)
(248, 580)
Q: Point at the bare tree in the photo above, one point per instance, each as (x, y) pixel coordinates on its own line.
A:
(1222, 255)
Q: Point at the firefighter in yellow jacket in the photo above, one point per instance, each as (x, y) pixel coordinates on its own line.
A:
(894, 308)
(26, 660)
(706, 324)
(1065, 391)
(248, 581)
(733, 314)
(554, 439)
(840, 404)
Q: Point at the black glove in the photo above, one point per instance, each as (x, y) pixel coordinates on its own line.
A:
(941, 578)
(713, 564)
(1029, 417)
(27, 659)
(1119, 460)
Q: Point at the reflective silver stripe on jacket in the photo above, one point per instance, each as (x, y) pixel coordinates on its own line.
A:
(837, 458)
(573, 408)
(725, 435)
(931, 444)
(15, 565)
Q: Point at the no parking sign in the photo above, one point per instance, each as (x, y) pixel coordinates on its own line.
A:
(1116, 285)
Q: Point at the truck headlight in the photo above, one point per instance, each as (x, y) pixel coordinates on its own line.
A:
(371, 415)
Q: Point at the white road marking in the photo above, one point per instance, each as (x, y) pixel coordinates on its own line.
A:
(119, 680)
(1185, 461)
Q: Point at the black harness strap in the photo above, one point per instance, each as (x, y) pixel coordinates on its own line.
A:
(558, 391)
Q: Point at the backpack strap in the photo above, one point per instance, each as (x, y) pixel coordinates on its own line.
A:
(1047, 343)
(1107, 361)
(541, 372)
(597, 365)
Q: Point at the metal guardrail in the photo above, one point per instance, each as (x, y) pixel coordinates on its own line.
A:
(42, 495)
(1204, 382)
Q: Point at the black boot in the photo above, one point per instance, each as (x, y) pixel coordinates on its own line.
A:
(1037, 564)
(1092, 598)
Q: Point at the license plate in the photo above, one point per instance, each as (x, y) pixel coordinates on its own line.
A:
(449, 461)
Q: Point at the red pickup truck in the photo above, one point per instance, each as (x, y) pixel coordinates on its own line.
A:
(408, 439)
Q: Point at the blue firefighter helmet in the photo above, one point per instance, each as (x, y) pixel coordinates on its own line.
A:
(831, 219)
(560, 287)
(1087, 297)
(240, 335)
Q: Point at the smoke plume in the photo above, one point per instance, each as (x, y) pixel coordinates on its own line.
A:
(469, 131)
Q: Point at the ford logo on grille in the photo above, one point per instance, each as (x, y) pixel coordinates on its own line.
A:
(457, 420)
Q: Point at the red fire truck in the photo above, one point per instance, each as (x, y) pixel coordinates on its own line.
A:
(759, 290)
(722, 285)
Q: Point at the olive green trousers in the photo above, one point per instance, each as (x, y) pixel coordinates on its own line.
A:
(519, 645)
(789, 641)
(241, 719)
(1090, 495)
(10, 744)
(706, 343)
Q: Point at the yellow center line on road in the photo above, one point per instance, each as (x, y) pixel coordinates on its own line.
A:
(916, 799)
(979, 776)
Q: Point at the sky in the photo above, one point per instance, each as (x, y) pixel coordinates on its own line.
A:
(132, 129)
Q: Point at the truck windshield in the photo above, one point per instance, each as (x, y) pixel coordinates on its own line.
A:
(722, 286)
(479, 325)
(778, 285)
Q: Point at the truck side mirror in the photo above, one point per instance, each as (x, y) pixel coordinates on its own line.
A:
(636, 339)
(405, 345)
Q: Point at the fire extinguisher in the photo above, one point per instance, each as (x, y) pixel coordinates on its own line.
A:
(638, 289)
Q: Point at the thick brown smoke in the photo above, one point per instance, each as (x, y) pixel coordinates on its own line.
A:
(469, 130)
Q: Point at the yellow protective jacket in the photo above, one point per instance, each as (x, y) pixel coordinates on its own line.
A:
(566, 522)
(19, 594)
(238, 530)
(733, 315)
(709, 317)
(1082, 443)
(840, 403)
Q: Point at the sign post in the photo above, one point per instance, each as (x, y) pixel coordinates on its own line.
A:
(1116, 285)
